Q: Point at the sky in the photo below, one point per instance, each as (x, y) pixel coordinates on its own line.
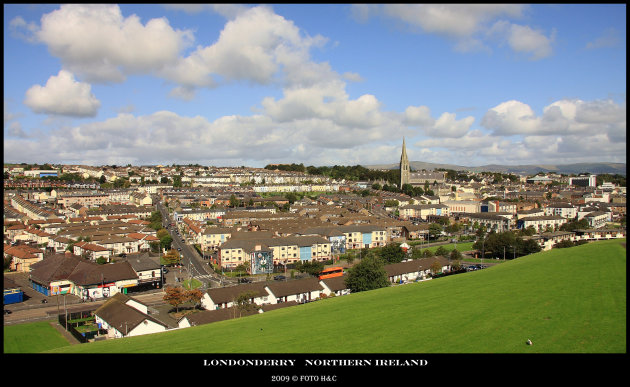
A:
(317, 84)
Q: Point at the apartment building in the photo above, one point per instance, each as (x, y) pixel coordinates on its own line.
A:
(498, 222)
(284, 250)
(364, 236)
(541, 223)
(565, 210)
(462, 206)
(422, 211)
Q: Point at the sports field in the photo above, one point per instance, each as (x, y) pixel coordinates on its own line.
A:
(565, 301)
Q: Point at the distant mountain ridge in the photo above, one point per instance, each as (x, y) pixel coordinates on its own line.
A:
(530, 169)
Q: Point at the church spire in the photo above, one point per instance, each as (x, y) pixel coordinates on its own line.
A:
(404, 166)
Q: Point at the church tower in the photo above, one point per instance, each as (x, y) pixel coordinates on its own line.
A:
(404, 166)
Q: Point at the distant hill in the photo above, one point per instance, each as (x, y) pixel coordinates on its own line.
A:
(595, 168)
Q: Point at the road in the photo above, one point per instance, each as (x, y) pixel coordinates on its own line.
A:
(192, 261)
(33, 310)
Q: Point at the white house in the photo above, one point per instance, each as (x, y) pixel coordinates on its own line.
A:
(564, 210)
(226, 297)
(542, 223)
(335, 285)
(415, 269)
(123, 316)
(302, 290)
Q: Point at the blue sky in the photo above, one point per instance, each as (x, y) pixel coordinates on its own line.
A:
(319, 84)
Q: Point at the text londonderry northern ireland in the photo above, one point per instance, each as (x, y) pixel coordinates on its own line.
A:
(315, 363)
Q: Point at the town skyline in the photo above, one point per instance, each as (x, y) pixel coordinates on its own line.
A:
(233, 85)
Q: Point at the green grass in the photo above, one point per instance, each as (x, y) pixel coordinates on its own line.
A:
(566, 301)
(32, 338)
(191, 284)
(463, 246)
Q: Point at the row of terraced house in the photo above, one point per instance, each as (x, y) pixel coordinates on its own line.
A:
(124, 316)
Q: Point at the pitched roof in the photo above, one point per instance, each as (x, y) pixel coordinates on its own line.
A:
(54, 268)
(414, 265)
(143, 262)
(210, 316)
(291, 287)
(336, 283)
(231, 293)
(88, 273)
(121, 316)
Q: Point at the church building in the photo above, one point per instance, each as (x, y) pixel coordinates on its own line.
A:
(416, 178)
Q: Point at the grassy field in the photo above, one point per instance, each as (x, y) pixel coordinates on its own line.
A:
(32, 338)
(463, 246)
(565, 301)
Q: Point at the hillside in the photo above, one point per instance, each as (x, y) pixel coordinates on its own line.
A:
(565, 301)
(595, 168)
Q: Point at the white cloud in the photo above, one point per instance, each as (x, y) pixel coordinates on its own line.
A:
(448, 126)
(468, 25)
(257, 46)
(610, 38)
(418, 116)
(98, 43)
(453, 20)
(559, 118)
(229, 11)
(21, 29)
(445, 126)
(62, 95)
(511, 117)
(525, 39)
(477, 148)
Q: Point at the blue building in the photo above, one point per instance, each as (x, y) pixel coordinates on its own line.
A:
(12, 292)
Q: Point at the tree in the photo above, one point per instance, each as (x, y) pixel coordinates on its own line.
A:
(426, 253)
(291, 197)
(171, 257)
(442, 251)
(435, 230)
(175, 296)
(243, 302)
(453, 228)
(436, 267)
(166, 241)
(369, 274)
(155, 247)
(407, 189)
(155, 220)
(455, 255)
(575, 225)
(392, 253)
(194, 296)
(313, 267)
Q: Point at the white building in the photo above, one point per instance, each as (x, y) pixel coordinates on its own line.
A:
(123, 316)
(584, 181)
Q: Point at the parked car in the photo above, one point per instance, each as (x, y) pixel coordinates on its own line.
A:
(279, 278)
(244, 280)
